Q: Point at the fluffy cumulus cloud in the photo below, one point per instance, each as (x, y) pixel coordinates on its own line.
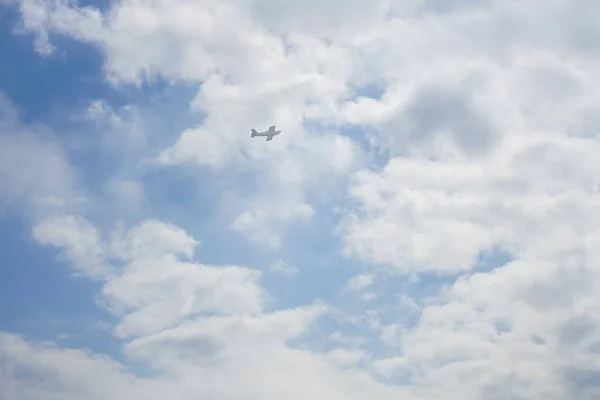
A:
(448, 148)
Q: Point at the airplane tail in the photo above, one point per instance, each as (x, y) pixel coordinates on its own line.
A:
(253, 133)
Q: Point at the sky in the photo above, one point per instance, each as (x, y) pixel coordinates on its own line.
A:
(426, 226)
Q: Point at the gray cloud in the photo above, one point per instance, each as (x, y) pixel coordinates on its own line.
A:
(435, 111)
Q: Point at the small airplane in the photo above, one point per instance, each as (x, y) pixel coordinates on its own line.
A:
(269, 134)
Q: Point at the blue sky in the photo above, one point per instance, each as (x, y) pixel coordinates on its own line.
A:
(424, 228)
(46, 91)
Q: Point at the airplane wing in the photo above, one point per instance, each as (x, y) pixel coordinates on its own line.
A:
(272, 128)
(269, 138)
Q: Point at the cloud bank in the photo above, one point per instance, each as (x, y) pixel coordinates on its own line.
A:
(449, 149)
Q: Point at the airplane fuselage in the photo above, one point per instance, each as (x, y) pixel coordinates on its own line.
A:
(268, 133)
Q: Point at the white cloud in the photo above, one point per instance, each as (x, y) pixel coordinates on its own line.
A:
(258, 221)
(359, 285)
(80, 241)
(360, 282)
(122, 129)
(279, 266)
(532, 199)
(346, 358)
(35, 176)
(97, 377)
(128, 193)
(151, 239)
(158, 293)
(146, 283)
(219, 335)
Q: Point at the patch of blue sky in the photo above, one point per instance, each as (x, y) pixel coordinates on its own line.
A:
(102, 5)
(426, 285)
(372, 90)
(190, 198)
(398, 300)
(35, 287)
(167, 192)
(359, 329)
(490, 259)
(314, 250)
(315, 279)
(51, 89)
(364, 136)
(334, 330)
(367, 138)
(57, 89)
(44, 86)
(40, 296)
